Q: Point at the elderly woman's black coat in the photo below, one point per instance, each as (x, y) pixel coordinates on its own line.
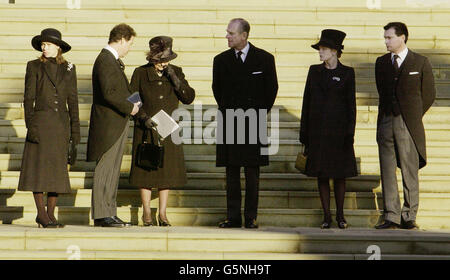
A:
(51, 117)
(158, 93)
(328, 121)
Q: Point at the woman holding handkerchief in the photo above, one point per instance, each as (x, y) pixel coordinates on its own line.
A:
(161, 87)
(327, 125)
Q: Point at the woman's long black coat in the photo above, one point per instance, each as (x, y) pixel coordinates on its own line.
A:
(159, 93)
(328, 121)
(51, 116)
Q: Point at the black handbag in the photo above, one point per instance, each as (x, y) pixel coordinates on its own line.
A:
(72, 157)
(150, 156)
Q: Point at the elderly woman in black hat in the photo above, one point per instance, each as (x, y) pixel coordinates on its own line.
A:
(327, 125)
(161, 86)
(50, 88)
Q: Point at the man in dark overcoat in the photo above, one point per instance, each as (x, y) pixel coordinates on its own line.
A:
(405, 85)
(244, 85)
(108, 127)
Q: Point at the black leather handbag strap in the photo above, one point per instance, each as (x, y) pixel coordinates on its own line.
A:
(144, 137)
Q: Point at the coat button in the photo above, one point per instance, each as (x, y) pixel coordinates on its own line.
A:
(56, 101)
(56, 109)
(159, 83)
(161, 97)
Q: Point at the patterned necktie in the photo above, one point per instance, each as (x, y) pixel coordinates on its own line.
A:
(239, 58)
(122, 66)
(395, 64)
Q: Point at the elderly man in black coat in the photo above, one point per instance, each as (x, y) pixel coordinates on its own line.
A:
(405, 85)
(244, 85)
(108, 127)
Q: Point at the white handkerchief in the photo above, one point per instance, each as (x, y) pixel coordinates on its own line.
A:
(413, 73)
(255, 73)
(166, 125)
(336, 79)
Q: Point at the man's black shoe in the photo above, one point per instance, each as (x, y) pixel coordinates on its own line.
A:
(229, 224)
(409, 225)
(251, 224)
(107, 222)
(388, 225)
(117, 219)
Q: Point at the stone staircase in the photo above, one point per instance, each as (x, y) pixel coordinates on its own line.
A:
(289, 202)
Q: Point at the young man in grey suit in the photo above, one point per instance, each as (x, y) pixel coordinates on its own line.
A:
(108, 127)
(244, 80)
(406, 89)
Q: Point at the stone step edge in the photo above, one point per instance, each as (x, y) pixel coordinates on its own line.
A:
(179, 255)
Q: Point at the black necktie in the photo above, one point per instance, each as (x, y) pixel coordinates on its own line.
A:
(122, 66)
(395, 64)
(239, 58)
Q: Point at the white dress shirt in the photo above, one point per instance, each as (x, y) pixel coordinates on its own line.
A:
(113, 51)
(244, 52)
(401, 57)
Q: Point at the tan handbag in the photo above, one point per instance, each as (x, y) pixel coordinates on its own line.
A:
(300, 162)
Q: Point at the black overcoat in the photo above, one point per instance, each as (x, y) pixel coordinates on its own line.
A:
(51, 117)
(110, 110)
(415, 94)
(328, 119)
(158, 93)
(249, 85)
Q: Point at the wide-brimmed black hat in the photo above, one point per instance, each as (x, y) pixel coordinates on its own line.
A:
(331, 38)
(161, 49)
(50, 35)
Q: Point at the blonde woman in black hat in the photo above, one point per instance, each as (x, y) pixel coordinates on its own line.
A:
(327, 125)
(161, 86)
(50, 88)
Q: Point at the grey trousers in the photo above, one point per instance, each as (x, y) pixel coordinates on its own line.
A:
(106, 179)
(395, 143)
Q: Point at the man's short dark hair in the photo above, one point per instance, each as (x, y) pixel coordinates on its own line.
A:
(400, 29)
(244, 26)
(121, 31)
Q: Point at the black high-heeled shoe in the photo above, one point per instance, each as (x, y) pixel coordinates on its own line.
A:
(325, 225)
(342, 223)
(163, 223)
(147, 224)
(49, 225)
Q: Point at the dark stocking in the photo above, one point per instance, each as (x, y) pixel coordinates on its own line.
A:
(324, 190)
(42, 214)
(51, 204)
(339, 194)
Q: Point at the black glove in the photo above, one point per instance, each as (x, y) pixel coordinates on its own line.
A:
(149, 123)
(33, 135)
(72, 156)
(171, 73)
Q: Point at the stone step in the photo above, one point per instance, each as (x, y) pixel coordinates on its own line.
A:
(133, 255)
(269, 13)
(198, 129)
(260, 3)
(186, 198)
(15, 145)
(291, 88)
(278, 164)
(216, 181)
(211, 243)
(365, 117)
(268, 181)
(427, 219)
